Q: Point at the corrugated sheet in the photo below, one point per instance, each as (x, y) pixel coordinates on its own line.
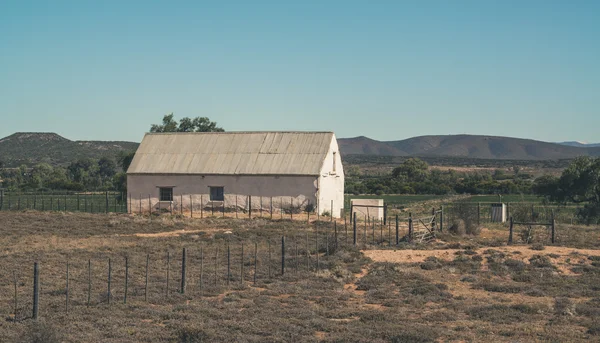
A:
(275, 153)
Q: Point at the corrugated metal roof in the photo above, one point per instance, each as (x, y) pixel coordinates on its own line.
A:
(241, 153)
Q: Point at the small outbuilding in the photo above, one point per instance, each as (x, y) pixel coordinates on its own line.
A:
(233, 171)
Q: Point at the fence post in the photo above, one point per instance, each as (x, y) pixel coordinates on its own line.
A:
(201, 206)
(354, 228)
(183, 270)
(478, 213)
(236, 206)
(67, 291)
(510, 231)
(106, 201)
(553, 225)
(126, 279)
(242, 267)
(168, 271)
(228, 264)
(271, 207)
(292, 208)
(442, 218)
(146, 281)
(77, 203)
(191, 207)
(36, 290)
(181, 204)
(89, 282)
(149, 206)
(255, 258)
(307, 253)
(15, 304)
(201, 270)
(249, 206)
(282, 255)
(223, 206)
(335, 234)
(317, 245)
(410, 227)
(109, 279)
(397, 231)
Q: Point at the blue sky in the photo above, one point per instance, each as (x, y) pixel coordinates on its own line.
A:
(389, 70)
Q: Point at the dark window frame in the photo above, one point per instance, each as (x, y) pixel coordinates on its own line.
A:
(162, 196)
(214, 193)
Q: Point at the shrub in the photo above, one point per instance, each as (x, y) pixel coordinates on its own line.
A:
(39, 332)
(538, 261)
(431, 263)
(191, 335)
(537, 246)
(564, 306)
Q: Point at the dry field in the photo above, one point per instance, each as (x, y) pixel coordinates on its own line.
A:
(458, 288)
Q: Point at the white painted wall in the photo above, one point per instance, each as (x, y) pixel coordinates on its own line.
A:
(362, 213)
(285, 191)
(331, 182)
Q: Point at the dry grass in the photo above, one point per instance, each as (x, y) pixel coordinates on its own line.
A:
(463, 290)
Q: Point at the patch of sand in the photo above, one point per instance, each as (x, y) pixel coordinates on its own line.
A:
(518, 252)
(175, 233)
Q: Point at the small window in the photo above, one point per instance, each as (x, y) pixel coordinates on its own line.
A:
(216, 194)
(166, 193)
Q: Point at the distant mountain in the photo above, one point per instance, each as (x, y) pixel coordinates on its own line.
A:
(31, 148)
(580, 144)
(466, 146)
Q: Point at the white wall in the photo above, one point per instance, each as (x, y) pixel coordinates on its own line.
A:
(331, 183)
(285, 191)
(363, 212)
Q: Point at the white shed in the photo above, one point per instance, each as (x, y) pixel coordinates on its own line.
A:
(279, 170)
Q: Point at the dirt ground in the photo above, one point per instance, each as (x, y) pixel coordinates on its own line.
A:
(476, 289)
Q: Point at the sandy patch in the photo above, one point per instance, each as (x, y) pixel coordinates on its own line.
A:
(517, 252)
(175, 233)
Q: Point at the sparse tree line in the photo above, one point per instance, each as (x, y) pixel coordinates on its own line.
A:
(84, 174)
(414, 176)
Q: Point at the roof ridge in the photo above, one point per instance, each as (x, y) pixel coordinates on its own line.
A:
(235, 132)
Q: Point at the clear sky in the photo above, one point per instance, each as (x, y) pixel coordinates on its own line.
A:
(389, 70)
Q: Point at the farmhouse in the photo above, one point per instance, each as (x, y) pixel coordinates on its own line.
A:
(283, 171)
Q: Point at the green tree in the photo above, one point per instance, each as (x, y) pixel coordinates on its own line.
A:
(124, 159)
(579, 183)
(186, 124)
(413, 169)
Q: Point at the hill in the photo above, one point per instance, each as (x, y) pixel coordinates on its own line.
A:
(581, 145)
(466, 146)
(31, 148)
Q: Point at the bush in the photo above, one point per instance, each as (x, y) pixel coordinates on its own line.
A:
(537, 246)
(191, 335)
(39, 332)
(465, 218)
(564, 306)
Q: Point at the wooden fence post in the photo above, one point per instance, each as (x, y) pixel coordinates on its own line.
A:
(255, 259)
(109, 279)
(89, 295)
(242, 267)
(282, 255)
(146, 281)
(354, 229)
(15, 302)
(442, 218)
(228, 264)
(126, 278)
(191, 207)
(67, 291)
(201, 271)
(36, 290)
(168, 271)
(510, 231)
(249, 206)
(553, 225)
(183, 270)
(410, 227)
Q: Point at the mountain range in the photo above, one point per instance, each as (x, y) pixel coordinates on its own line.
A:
(30, 148)
(466, 146)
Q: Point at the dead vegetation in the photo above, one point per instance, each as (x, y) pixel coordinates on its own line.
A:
(462, 288)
